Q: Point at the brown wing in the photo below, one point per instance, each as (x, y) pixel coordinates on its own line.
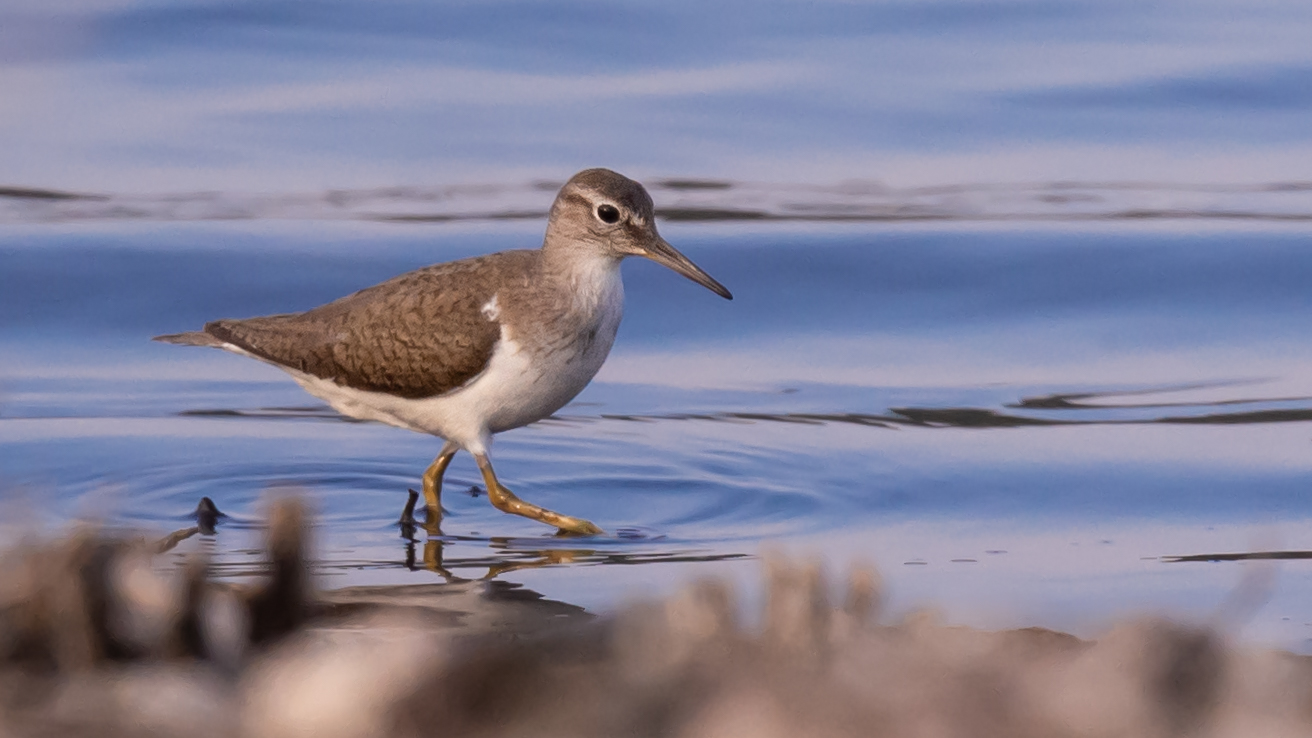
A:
(418, 335)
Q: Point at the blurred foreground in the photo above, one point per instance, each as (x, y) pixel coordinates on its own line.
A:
(97, 637)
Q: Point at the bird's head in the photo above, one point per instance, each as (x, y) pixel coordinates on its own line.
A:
(608, 213)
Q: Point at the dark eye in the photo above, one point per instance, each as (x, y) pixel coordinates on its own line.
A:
(608, 213)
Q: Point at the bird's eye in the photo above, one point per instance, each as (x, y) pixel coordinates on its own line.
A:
(608, 213)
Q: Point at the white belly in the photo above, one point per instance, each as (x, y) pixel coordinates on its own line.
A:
(517, 387)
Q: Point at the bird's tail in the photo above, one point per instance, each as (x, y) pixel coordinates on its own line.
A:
(194, 338)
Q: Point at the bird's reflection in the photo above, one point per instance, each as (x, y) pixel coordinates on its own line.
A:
(435, 546)
(510, 554)
(433, 560)
(483, 602)
(425, 548)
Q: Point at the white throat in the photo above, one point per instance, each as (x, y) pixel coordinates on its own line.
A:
(595, 285)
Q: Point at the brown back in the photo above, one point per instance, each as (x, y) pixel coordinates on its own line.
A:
(417, 335)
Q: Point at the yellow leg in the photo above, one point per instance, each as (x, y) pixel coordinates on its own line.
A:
(506, 501)
(433, 482)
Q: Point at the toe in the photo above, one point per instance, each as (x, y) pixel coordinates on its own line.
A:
(581, 527)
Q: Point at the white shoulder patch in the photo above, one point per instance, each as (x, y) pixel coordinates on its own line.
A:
(490, 309)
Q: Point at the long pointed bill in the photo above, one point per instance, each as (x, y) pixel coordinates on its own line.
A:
(663, 253)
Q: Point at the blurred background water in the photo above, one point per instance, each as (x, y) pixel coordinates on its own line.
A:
(1021, 288)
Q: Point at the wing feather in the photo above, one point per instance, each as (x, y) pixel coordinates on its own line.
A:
(418, 335)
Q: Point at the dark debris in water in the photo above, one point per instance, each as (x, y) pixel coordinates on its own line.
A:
(315, 412)
(633, 534)
(967, 417)
(700, 200)
(207, 516)
(1245, 556)
(692, 215)
(33, 193)
(456, 217)
(692, 184)
(1258, 416)
(1078, 404)
(1076, 400)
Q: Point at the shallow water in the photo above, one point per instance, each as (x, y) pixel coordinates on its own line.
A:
(1017, 425)
(1021, 287)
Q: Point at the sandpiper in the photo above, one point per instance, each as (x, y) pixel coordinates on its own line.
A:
(469, 348)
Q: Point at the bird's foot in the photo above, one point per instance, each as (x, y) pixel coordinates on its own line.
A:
(407, 522)
(507, 501)
(571, 526)
(432, 524)
(408, 514)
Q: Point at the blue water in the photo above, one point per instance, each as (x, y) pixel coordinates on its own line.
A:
(1020, 305)
(147, 96)
(862, 381)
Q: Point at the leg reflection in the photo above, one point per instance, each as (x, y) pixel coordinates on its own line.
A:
(507, 558)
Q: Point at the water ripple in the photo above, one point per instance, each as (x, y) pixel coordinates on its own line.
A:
(1058, 409)
(694, 200)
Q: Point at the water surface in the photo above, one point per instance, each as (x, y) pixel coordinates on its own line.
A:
(1021, 287)
(1017, 425)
